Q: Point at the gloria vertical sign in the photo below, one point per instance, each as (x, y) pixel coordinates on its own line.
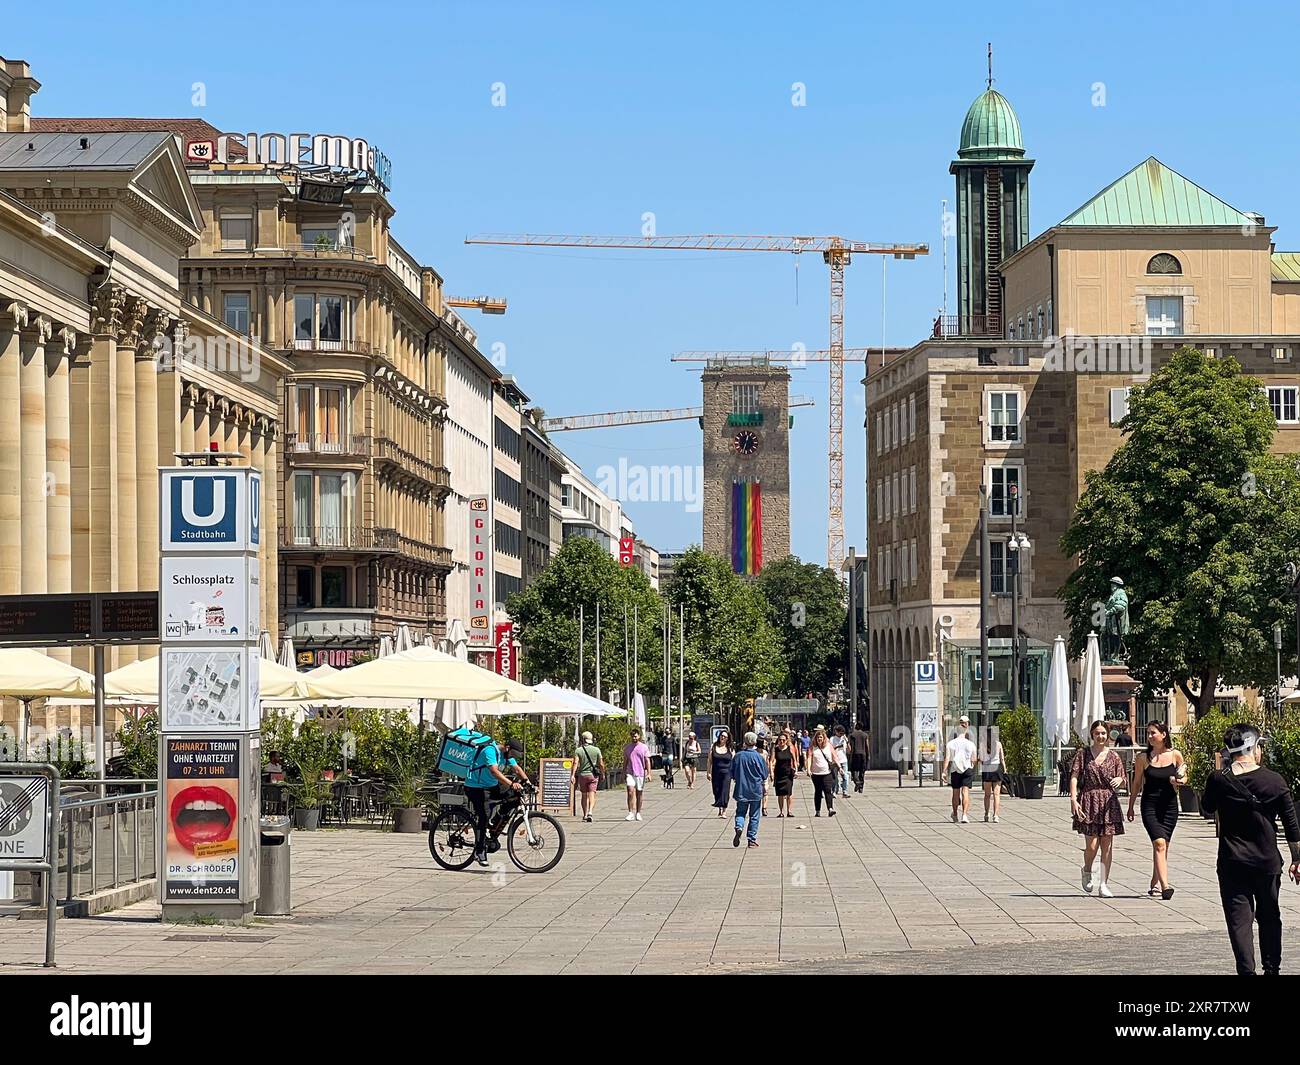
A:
(478, 623)
(925, 720)
(210, 606)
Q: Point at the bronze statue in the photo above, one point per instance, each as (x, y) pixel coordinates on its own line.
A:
(1116, 624)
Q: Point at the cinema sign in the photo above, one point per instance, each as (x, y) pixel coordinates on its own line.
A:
(307, 149)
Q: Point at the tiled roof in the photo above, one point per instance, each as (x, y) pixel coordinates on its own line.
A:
(1286, 266)
(1151, 194)
(187, 129)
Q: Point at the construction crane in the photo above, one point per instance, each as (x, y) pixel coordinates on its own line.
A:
(778, 355)
(486, 304)
(638, 417)
(836, 252)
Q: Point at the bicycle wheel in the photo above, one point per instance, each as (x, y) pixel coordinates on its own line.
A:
(451, 838)
(541, 853)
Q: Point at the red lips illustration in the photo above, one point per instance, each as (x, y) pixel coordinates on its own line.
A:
(202, 815)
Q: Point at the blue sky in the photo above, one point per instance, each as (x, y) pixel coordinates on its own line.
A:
(684, 110)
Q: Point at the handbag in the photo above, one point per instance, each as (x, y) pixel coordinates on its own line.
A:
(592, 764)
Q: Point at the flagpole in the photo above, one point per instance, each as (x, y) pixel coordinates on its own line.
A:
(597, 648)
(582, 653)
(636, 660)
(627, 663)
(681, 669)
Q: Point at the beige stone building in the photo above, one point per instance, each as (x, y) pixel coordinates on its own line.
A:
(105, 370)
(1029, 399)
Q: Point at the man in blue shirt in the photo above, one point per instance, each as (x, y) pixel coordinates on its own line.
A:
(483, 778)
(749, 779)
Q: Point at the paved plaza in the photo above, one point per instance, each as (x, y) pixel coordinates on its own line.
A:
(889, 885)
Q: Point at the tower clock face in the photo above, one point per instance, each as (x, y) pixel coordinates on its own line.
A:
(745, 443)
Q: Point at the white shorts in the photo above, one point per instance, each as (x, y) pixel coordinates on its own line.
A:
(635, 782)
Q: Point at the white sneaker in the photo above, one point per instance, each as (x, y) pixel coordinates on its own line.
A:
(638, 817)
(630, 817)
(995, 819)
(1085, 878)
(1103, 891)
(965, 820)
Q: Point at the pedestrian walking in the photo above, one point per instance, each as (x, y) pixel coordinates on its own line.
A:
(1095, 778)
(821, 767)
(991, 760)
(840, 747)
(784, 762)
(719, 770)
(690, 758)
(636, 759)
(859, 751)
(1249, 800)
(749, 774)
(805, 744)
(960, 754)
(588, 768)
(1156, 773)
(765, 749)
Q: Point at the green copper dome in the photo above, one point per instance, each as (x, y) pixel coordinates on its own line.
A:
(991, 129)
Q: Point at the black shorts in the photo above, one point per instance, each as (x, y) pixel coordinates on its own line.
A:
(960, 780)
(991, 776)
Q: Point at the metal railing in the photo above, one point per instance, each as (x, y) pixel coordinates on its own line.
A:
(325, 444)
(968, 325)
(106, 841)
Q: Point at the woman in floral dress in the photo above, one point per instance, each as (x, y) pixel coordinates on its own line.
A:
(1095, 780)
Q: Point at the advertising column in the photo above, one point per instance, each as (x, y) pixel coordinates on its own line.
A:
(925, 722)
(209, 699)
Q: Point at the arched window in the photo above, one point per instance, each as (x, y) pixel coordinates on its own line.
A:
(1164, 263)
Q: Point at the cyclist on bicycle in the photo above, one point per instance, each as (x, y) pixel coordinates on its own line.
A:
(483, 778)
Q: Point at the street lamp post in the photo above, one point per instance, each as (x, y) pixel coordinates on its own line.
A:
(1016, 545)
(1277, 646)
(851, 566)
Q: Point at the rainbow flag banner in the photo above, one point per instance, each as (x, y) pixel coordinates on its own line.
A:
(746, 527)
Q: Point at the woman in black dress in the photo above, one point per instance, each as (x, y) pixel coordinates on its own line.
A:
(783, 771)
(719, 770)
(1156, 774)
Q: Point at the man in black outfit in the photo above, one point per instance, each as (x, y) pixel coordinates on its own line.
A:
(1249, 800)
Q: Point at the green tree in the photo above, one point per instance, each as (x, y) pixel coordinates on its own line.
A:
(807, 606)
(731, 644)
(583, 574)
(1199, 520)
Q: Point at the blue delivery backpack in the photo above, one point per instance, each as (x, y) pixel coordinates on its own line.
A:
(462, 751)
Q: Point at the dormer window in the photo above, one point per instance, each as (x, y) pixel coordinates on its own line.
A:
(1164, 263)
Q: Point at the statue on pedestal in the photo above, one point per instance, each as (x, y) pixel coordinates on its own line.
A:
(1116, 624)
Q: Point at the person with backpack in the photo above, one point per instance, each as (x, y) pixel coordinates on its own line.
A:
(1249, 801)
(588, 768)
(483, 777)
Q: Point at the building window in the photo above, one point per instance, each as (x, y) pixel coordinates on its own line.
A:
(880, 500)
(1281, 354)
(888, 509)
(507, 440)
(1282, 400)
(236, 232)
(326, 236)
(333, 586)
(898, 495)
(507, 539)
(898, 432)
(302, 508)
(305, 587)
(1004, 417)
(880, 568)
(744, 399)
(999, 583)
(880, 440)
(235, 311)
(330, 405)
(1005, 483)
(911, 488)
(506, 586)
(1164, 263)
(1164, 316)
(912, 550)
(911, 417)
(507, 489)
(1119, 404)
(331, 508)
(888, 441)
(323, 320)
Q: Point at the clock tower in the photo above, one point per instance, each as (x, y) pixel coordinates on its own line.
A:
(746, 424)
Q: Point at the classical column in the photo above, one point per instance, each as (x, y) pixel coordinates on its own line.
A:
(13, 322)
(147, 448)
(32, 463)
(129, 342)
(211, 428)
(93, 425)
(189, 417)
(59, 352)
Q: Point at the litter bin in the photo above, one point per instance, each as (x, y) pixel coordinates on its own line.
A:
(273, 886)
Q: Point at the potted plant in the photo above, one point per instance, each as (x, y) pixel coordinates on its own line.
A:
(309, 795)
(404, 797)
(1018, 731)
(310, 753)
(405, 750)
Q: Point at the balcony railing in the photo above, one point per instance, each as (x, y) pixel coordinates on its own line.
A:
(389, 452)
(325, 444)
(392, 540)
(967, 325)
(325, 537)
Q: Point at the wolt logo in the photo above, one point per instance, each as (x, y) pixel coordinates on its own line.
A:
(203, 509)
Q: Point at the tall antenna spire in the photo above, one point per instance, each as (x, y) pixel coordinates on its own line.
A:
(990, 64)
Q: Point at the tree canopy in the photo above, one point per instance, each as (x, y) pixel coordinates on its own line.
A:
(807, 606)
(1199, 520)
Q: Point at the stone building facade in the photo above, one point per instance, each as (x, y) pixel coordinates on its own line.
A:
(746, 433)
(1087, 310)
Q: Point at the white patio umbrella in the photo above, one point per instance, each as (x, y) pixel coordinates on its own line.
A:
(1056, 706)
(27, 674)
(457, 642)
(138, 682)
(385, 647)
(451, 714)
(423, 673)
(266, 646)
(1092, 700)
(403, 640)
(287, 657)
